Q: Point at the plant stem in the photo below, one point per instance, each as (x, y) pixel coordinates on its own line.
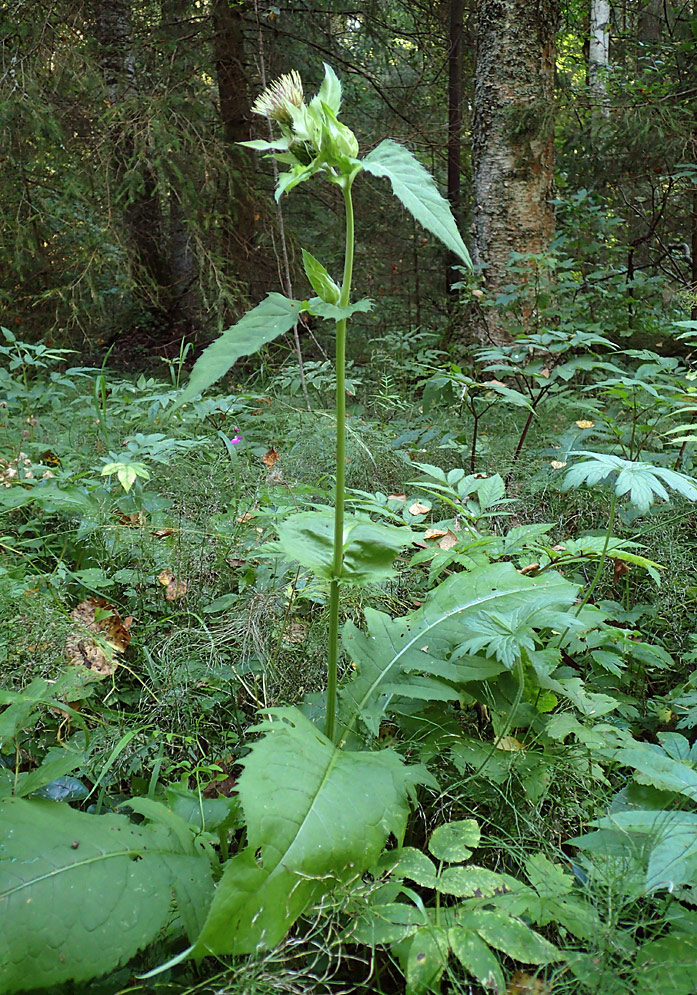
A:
(337, 563)
(603, 557)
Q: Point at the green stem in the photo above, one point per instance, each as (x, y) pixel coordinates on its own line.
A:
(337, 563)
(603, 556)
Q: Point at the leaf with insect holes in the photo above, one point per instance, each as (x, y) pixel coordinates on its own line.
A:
(81, 894)
(417, 190)
(642, 481)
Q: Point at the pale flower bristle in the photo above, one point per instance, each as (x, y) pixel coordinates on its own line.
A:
(273, 102)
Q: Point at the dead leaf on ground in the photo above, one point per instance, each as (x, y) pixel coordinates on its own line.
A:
(99, 635)
(510, 744)
(418, 509)
(531, 568)
(162, 533)
(396, 497)
(621, 568)
(132, 521)
(434, 533)
(247, 517)
(448, 541)
(270, 458)
(235, 562)
(522, 983)
(175, 588)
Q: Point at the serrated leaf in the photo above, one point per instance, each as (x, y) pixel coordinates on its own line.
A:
(641, 481)
(512, 937)
(473, 882)
(81, 894)
(416, 866)
(426, 960)
(392, 649)
(335, 312)
(417, 190)
(452, 841)
(316, 816)
(264, 323)
(476, 958)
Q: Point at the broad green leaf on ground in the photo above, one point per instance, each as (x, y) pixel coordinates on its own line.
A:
(264, 323)
(391, 655)
(369, 548)
(667, 839)
(417, 190)
(644, 482)
(316, 816)
(81, 894)
(667, 965)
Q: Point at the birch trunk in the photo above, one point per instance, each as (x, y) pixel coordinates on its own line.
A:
(599, 56)
(513, 138)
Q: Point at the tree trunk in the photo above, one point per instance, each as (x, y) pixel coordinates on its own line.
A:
(142, 214)
(599, 56)
(513, 138)
(231, 72)
(455, 88)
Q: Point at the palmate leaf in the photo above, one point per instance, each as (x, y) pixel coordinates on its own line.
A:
(81, 894)
(264, 323)
(417, 190)
(392, 651)
(316, 816)
(642, 481)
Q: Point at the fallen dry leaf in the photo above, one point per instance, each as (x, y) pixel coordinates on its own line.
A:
(510, 744)
(448, 541)
(175, 588)
(161, 533)
(132, 521)
(396, 497)
(621, 568)
(418, 509)
(531, 568)
(522, 983)
(434, 533)
(544, 373)
(270, 458)
(100, 634)
(235, 562)
(584, 423)
(247, 517)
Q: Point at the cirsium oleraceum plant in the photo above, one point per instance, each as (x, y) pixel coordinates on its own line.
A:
(313, 142)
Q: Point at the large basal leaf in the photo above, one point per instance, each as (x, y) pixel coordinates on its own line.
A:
(393, 652)
(669, 839)
(417, 190)
(81, 894)
(316, 816)
(264, 323)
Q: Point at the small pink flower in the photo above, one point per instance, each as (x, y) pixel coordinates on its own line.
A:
(236, 438)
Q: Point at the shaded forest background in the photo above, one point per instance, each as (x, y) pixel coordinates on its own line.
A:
(131, 218)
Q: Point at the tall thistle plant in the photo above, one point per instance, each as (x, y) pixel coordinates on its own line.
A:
(313, 142)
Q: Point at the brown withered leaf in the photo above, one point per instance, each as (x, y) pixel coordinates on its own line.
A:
(418, 509)
(132, 521)
(522, 983)
(247, 517)
(448, 541)
(434, 533)
(531, 568)
(98, 636)
(162, 533)
(174, 588)
(270, 458)
(235, 562)
(510, 744)
(621, 568)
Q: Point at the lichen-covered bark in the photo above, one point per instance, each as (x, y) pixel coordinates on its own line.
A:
(513, 136)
